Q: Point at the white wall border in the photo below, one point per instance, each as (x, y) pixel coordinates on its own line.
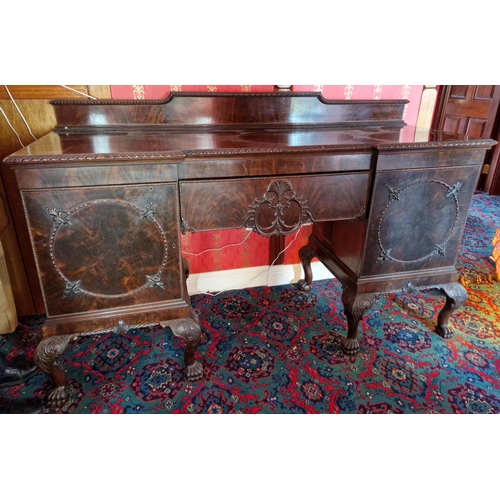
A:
(237, 279)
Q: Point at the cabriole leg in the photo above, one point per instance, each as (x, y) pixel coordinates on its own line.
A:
(355, 306)
(46, 358)
(306, 255)
(189, 330)
(456, 295)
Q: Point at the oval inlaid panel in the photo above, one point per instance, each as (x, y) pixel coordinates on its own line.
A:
(418, 221)
(109, 246)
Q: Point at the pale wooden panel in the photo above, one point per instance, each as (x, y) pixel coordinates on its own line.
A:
(426, 112)
(34, 103)
(39, 115)
(41, 92)
(100, 91)
(41, 118)
(49, 92)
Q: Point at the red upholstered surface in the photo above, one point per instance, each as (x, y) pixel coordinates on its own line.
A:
(255, 250)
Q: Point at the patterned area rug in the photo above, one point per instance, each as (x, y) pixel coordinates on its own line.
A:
(277, 350)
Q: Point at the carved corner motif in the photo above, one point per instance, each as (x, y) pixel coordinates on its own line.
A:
(72, 288)
(385, 255)
(59, 216)
(440, 250)
(149, 211)
(155, 281)
(279, 199)
(453, 190)
(185, 227)
(393, 193)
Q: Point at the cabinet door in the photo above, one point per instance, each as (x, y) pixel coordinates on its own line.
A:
(417, 219)
(105, 247)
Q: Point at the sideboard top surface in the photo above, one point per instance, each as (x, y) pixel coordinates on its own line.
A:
(194, 125)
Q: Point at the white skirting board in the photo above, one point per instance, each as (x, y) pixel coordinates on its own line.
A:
(237, 279)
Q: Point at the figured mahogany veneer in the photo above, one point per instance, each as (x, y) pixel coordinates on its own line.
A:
(103, 198)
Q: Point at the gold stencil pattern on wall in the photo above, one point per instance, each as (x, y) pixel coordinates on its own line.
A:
(212, 88)
(187, 241)
(216, 243)
(246, 88)
(348, 92)
(246, 250)
(175, 88)
(377, 91)
(138, 91)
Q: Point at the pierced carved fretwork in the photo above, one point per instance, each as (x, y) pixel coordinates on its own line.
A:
(279, 212)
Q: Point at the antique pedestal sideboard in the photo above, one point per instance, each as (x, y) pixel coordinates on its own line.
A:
(107, 193)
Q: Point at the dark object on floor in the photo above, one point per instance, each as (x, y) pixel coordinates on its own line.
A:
(17, 374)
(32, 407)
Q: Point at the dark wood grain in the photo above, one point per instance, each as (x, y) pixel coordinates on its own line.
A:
(260, 109)
(106, 195)
(226, 204)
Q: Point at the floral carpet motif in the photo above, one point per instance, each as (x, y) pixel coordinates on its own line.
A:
(277, 350)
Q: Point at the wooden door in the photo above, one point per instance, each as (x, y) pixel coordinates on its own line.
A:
(470, 110)
(105, 247)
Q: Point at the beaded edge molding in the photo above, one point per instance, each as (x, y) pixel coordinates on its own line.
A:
(246, 95)
(178, 155)
(175, 155)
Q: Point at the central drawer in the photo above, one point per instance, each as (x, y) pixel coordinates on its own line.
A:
(272, 205)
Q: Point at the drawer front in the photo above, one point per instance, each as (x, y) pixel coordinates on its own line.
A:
(105, 247)
(272, 206)
(279, 165)
(449, 158)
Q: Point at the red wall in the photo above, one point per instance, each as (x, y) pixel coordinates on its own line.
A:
(255, 250)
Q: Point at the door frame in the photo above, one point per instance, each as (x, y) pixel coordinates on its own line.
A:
(488, 181)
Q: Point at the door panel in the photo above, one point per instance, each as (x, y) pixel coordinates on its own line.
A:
(104, 247)
(471, 110)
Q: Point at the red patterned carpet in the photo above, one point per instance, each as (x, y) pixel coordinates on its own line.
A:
(277, 350)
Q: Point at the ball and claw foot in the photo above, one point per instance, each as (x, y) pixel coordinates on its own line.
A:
(47, 359)
(350, 347)
(57, 398)
(194, 372)
(306, 255)
(304, 286)
(444, 331)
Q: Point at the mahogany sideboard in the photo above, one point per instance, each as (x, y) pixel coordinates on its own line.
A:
(105, 196)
